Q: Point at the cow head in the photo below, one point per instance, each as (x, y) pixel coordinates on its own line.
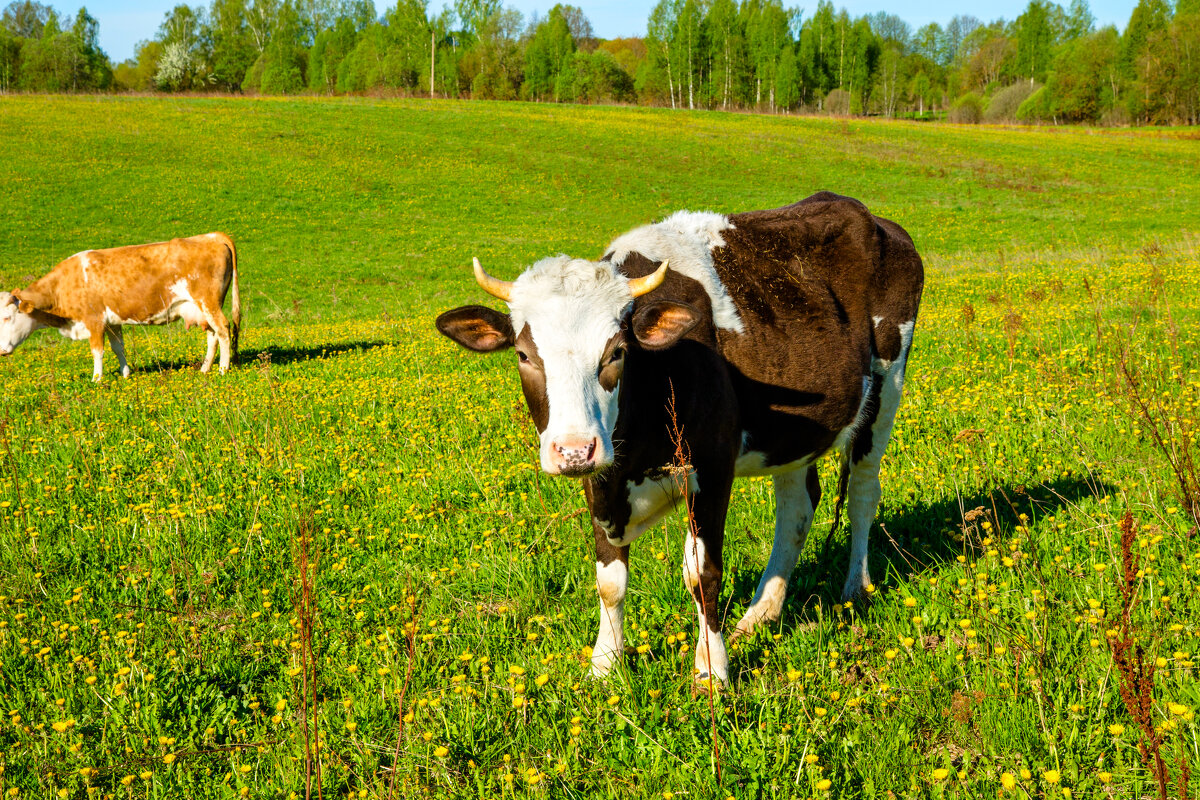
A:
(572, 323)
(16, 322)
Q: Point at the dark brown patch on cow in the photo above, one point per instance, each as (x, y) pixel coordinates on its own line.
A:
(612, 362)
(533, 379)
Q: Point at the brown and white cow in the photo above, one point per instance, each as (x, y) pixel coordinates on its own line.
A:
(95, 292)
(780, 334)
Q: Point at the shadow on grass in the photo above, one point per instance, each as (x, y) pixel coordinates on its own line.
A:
(274, 355)
(911, 540)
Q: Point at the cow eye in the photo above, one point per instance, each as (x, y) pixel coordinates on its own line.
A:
(617, 354)
(524, 359)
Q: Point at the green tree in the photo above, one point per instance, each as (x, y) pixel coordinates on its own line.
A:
(26, 19)
(233, 44)
(546, 56)
(1080, 21)
(280, 68)
(1148, 17)
(768, 31)
(1035, 42)
(1085, 79)
(725, 41)
(501, 63)
(686, 44)
(660, 32)
(10, 58)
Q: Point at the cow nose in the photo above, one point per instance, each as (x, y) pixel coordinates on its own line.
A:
(574, 455)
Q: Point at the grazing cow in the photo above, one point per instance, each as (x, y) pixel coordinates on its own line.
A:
(97, 291)
(771, 337)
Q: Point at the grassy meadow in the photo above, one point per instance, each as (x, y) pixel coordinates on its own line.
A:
(160, 636)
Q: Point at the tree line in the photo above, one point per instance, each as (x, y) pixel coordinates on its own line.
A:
(1050, 64)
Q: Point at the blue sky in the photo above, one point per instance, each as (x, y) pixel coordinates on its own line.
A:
(124, 24)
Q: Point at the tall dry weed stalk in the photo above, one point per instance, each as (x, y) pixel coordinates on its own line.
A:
(1172, 435)
(411, 639)
(304, 601)
(1136, 673)
(681, 468)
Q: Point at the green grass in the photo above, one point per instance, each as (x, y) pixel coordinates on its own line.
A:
(148, 577)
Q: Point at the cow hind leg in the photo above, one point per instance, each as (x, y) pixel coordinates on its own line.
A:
(211, 352)
(96, 340)
(867, 449)
(117, 341)
(796, 496)
(220, 326)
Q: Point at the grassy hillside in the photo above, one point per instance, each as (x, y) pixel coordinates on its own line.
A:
(356, 207)
(154, 637)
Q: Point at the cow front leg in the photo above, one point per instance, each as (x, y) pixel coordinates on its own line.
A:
(612, 579)
(702, 569)
(796, 496)
(117, 340)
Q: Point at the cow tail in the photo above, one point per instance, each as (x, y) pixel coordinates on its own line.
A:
(843, 484)
(235, 303)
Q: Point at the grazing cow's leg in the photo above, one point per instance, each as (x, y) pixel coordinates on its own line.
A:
(866, 453)
(218, 324)
(117, 341)
(702, 568)
(796, 496)
(96, 339)
(612, 578)
(211, 352)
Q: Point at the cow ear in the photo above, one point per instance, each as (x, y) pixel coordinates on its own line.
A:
(662, 324)
(477, 328)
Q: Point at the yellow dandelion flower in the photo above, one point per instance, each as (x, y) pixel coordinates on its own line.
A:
(1051, 776)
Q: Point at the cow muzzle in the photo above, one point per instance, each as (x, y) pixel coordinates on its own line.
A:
(574, 456)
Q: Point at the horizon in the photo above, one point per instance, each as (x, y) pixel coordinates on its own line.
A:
(123, 25)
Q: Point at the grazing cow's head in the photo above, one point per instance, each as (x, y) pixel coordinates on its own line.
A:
(16, 322)
(570, 323)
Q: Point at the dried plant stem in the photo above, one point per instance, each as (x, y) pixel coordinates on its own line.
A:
(411, 637)
(1172, 439)
(1136, 684)
(681, 468)
(306, 615)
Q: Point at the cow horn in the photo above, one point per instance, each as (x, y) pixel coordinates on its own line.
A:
(493, 286)
(641, 286)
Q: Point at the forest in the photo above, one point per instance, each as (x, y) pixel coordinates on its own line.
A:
(1050, 65)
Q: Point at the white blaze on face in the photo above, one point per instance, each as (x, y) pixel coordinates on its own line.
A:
(573, 308)
(15, 326)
